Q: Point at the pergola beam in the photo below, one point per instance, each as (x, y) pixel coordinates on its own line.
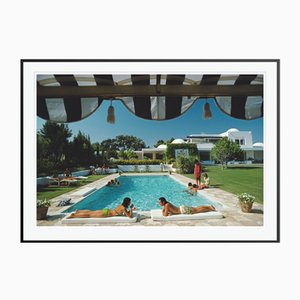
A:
(149, 90)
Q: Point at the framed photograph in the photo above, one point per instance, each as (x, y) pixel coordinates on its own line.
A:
(150, 150)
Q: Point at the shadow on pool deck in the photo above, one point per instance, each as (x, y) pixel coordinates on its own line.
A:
(216, 185)
(256, 211)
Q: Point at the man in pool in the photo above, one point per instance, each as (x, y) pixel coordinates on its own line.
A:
(169, 209)
(121, 210)
(189, 187)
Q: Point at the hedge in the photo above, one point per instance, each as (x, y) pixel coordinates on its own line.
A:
(138, 162)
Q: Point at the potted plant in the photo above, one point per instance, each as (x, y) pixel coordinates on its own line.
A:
(42, 208)
(246, 201)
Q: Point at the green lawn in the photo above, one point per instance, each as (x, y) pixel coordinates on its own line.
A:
(54, 191)
(237, 179)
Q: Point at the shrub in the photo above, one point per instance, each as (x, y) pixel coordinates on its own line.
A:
(45, 166)
(186, 165)
(246, 198)
(138, 162)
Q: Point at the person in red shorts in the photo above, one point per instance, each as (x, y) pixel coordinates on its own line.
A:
(197, 171)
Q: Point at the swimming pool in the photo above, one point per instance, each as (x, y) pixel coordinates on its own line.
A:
(144, 192)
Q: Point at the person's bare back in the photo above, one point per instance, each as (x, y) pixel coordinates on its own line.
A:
(170, 209)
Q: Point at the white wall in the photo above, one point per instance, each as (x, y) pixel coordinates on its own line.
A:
(140, 168)
(246, 135)
(107, 171)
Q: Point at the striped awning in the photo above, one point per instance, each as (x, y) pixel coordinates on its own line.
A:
(72, 97)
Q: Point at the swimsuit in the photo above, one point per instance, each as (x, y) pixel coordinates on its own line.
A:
(207, 181)
(105, 212)
(185, 210)
(197, 171)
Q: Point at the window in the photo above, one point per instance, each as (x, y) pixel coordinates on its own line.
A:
(148, 155)
(204, 155)
(159, 156)
(240, 142)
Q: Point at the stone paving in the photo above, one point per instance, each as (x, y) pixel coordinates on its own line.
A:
(233, 216)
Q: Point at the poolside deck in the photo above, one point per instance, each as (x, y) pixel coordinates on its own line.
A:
(233, 216)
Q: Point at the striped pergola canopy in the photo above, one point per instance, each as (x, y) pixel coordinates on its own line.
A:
(72, 97)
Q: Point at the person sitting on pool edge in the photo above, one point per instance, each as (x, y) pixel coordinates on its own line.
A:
(169, 209)
(206, 182)
(121, 210)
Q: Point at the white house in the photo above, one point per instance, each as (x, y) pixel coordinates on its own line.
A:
(205, 142)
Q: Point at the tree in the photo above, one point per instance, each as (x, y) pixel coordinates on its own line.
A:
(170, 141)
(53, 144)
(82, 150)
(97, 152)
(186, 164)
(129, 142)
(42, 146)
(159, 142)
(128, 154)
(109, 148)
(45, 165)
(96, 148)
(226, 150)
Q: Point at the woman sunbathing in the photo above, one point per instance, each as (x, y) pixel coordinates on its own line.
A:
(169, 209)
(121, 210)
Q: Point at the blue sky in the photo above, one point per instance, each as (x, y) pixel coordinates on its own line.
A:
(191, 122)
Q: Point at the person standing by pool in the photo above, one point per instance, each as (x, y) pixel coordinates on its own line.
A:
(197, 171)
(169, 209)
(121, 210)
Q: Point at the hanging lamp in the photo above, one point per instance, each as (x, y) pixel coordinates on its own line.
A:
(111, 114)
(206, 111)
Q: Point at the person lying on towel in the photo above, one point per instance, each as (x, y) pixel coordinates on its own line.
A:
(121, 210)
(169, 209)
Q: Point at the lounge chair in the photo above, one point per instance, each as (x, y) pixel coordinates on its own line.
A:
(54, 181)
(69, 181)
(156, 215)
(107, 220)
(80, 177)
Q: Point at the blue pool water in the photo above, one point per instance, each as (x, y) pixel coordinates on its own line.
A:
(144, 192)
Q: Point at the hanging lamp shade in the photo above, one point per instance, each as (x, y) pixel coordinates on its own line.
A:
(206, 111)
(111, 114)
